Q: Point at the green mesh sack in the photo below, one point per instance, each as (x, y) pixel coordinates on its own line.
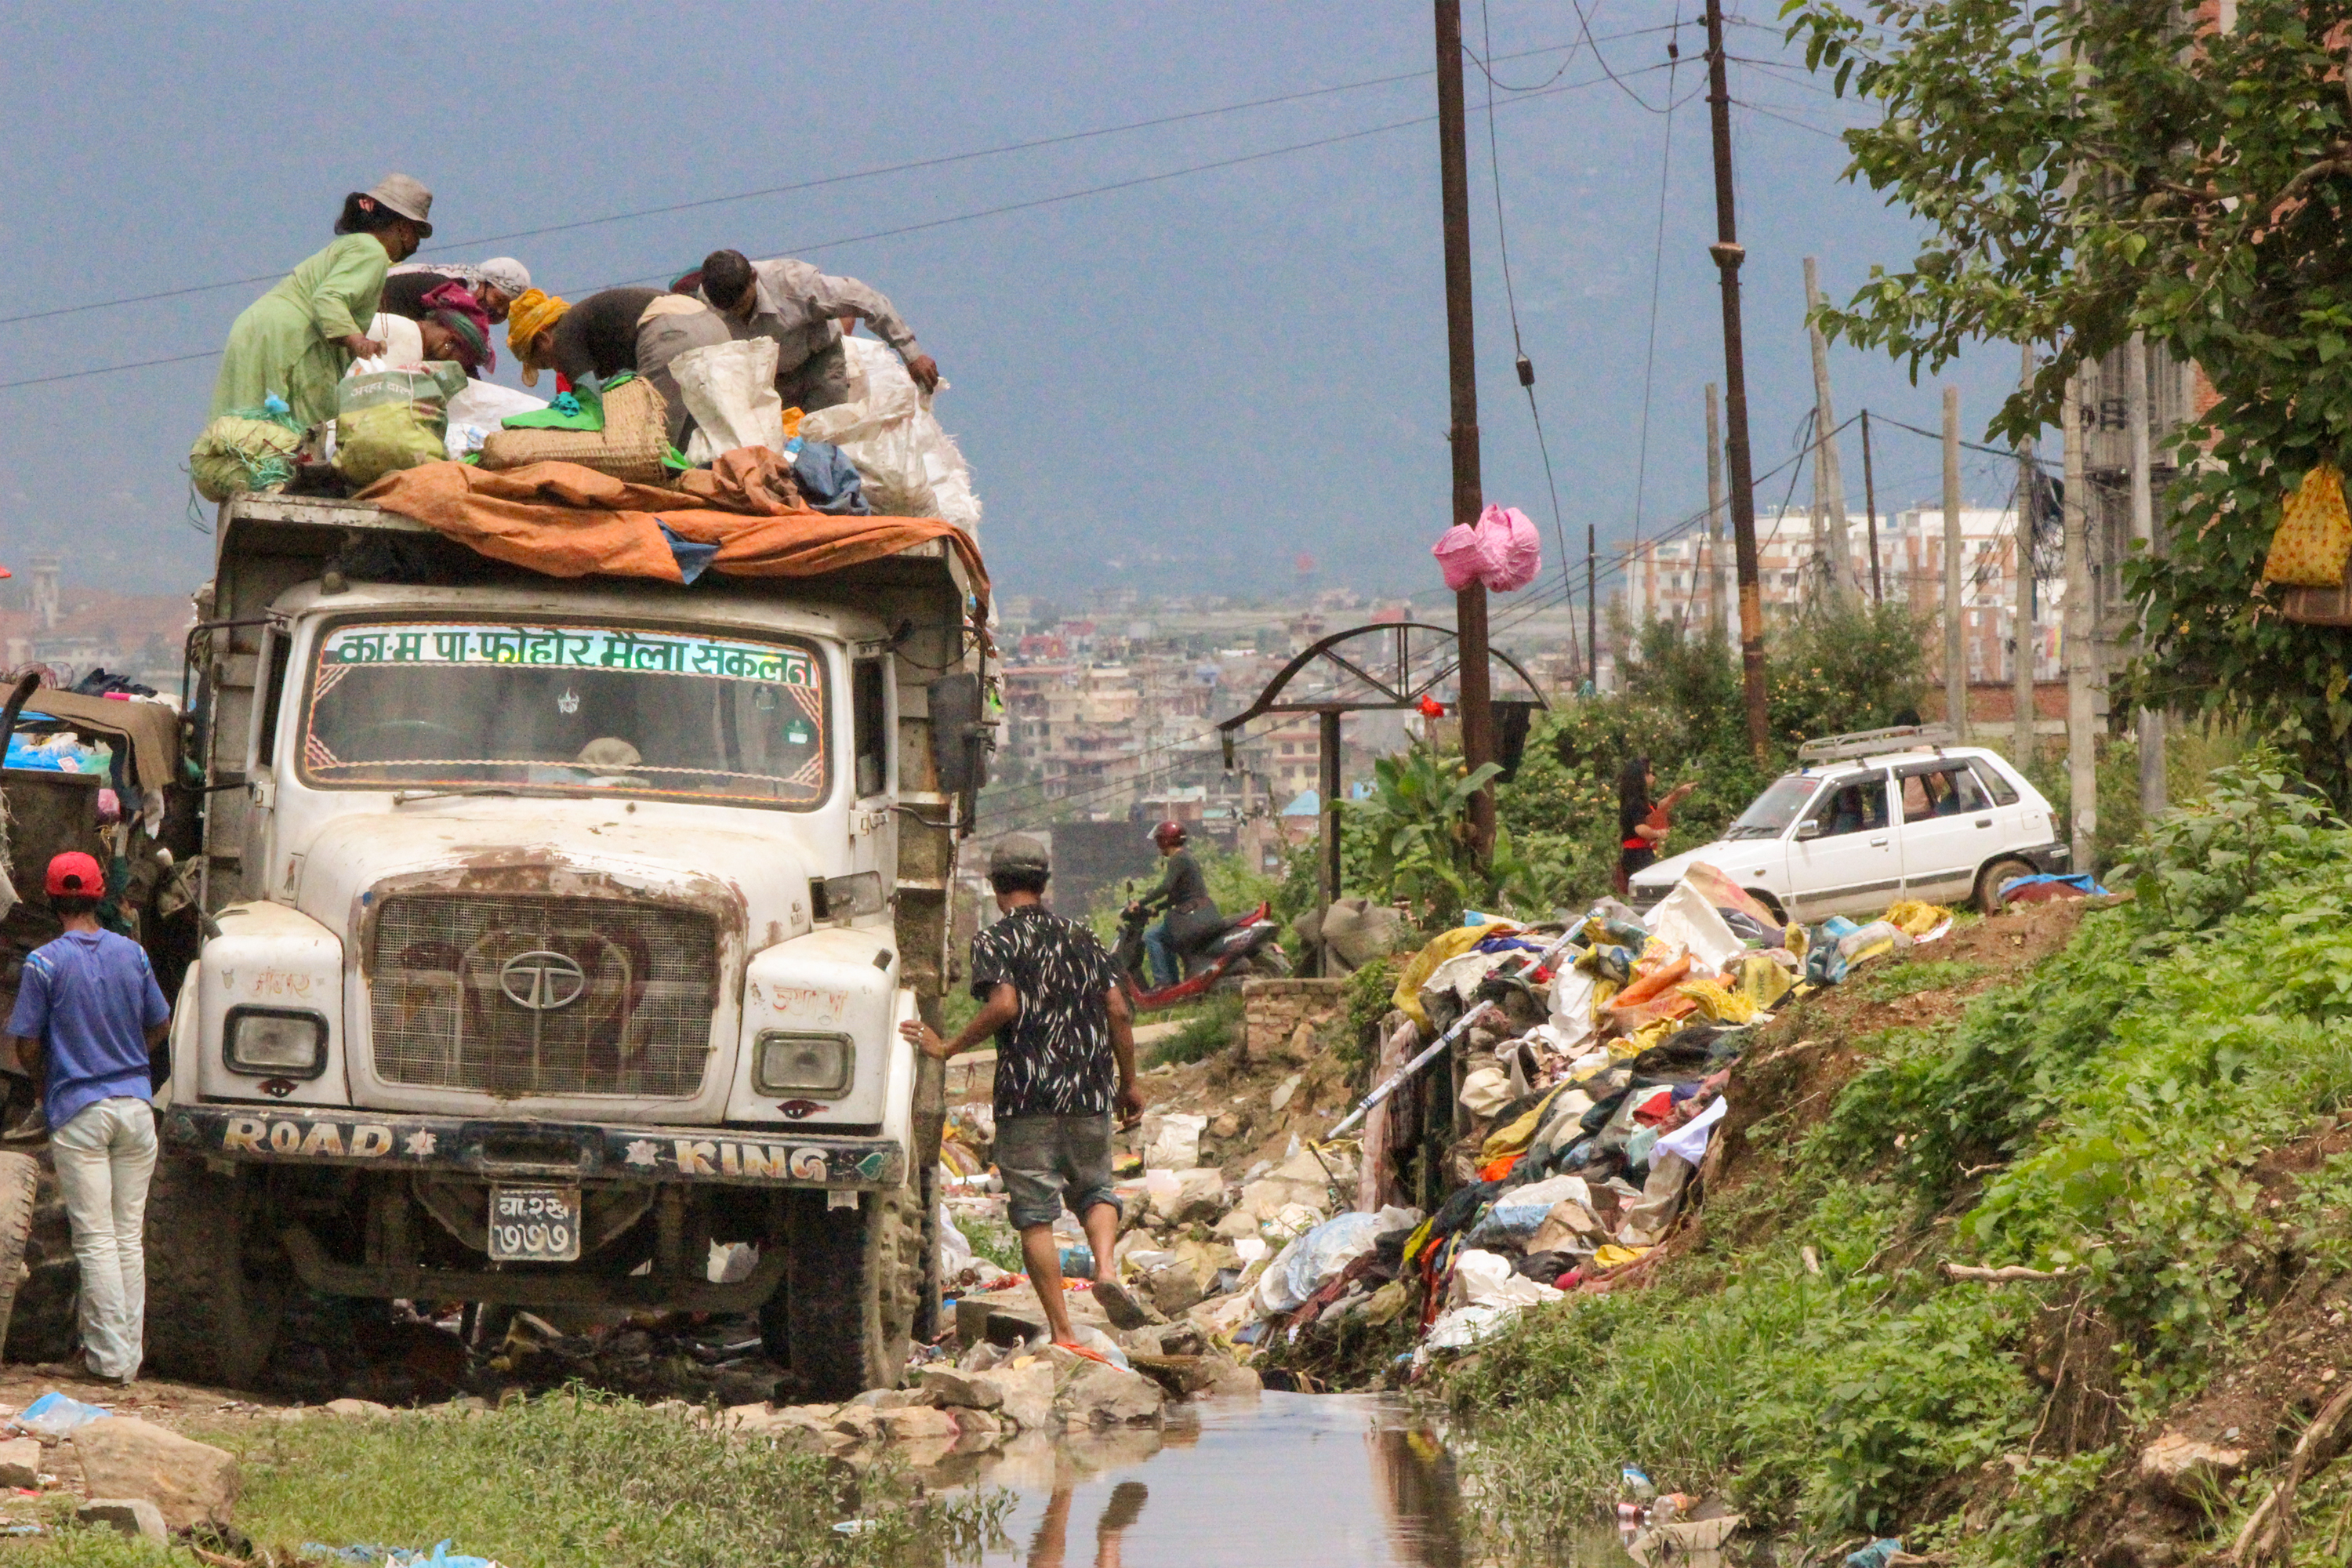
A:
(251, 449)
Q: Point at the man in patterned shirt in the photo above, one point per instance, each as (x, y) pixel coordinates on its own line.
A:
(1051, 997)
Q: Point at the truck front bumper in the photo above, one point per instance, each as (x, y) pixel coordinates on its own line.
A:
(532, 1151)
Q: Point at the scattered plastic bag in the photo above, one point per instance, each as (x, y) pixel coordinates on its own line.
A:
(730, 389)
(53, 1415)
(480, 410)
(1684, 919)
(1329, 1248)
(1518, 1214)
(955, 1247)
(1483, 1279)
(910, 465)
(1175, 1142)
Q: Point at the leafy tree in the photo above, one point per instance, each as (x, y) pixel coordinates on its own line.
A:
(2089, 171)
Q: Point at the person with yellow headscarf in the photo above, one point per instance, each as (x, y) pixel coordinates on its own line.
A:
(637, 329)
(530, 332)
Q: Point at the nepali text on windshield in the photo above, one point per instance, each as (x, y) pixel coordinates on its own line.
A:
(566, 709)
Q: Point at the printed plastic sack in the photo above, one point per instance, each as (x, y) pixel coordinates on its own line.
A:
(910, 465)
(730, 389)
(2315, 533)
(1500, 550)
(393, 419)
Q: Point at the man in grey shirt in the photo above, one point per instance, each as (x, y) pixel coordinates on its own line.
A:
(802, 309)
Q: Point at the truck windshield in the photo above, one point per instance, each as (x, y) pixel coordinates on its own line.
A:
(1769, 815)
(569, 709)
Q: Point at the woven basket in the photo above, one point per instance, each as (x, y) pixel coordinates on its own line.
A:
(631, 445)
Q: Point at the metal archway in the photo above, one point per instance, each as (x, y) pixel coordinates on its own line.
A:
(1418, 660)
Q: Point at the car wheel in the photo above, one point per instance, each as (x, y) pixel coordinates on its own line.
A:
(1988, 881)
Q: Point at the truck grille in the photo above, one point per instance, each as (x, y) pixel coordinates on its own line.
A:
(517, 996)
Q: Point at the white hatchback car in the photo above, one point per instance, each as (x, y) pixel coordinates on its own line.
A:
(1876, 817)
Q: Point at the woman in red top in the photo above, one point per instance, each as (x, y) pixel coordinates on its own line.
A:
(1641, 823)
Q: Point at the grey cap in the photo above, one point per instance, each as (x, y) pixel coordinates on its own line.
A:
(1018, 852)
(408, 197)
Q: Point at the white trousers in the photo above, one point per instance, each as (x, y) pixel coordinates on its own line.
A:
(105, 1157)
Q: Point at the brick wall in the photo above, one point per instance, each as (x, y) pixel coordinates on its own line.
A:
(1272, 1011)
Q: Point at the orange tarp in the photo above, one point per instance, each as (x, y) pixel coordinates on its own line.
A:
(565, 520)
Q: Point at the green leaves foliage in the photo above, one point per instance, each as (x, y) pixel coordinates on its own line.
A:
(2089, 171)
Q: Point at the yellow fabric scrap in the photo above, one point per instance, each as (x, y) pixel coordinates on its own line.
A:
(1718, 1004)
(1763, 981)
(1511, 1140)
(1612, 1256)
(1915, 919)
(1417, 1240)
(1603, 990)
(1796, 939)
(1406, 998)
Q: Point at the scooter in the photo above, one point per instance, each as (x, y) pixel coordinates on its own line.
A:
(1245, 947)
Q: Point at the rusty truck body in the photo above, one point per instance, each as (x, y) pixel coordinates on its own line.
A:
(555, 929)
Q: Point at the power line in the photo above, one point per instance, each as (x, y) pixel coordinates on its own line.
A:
(1657, 273)
(943, 221)
(877, 172)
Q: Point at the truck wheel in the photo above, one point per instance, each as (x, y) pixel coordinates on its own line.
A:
(20, 1181)
(844, 1317)
(1988, 881)
(210, 1319)
(42, 1325)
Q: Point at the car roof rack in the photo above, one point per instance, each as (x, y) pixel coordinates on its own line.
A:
(1871, 743)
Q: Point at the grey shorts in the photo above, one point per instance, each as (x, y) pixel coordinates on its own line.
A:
(1047, 1161)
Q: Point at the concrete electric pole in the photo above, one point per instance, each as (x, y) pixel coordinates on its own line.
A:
(1727, 256)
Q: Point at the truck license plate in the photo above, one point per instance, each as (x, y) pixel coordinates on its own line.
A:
(535, 1224)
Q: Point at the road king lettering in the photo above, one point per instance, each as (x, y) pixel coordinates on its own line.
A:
(616, 1153)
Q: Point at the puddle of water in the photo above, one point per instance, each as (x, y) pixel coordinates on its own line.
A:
(1287, 1480)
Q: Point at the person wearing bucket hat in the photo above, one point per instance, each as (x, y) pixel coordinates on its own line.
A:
(296, 341)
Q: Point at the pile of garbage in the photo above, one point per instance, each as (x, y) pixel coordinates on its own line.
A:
(1587, 1062)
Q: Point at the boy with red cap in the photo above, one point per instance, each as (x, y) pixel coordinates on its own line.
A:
(89, 1017)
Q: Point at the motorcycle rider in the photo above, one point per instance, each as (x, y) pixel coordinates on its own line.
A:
(1191, 915)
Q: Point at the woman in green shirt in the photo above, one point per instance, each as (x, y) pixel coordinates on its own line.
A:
(297, 341)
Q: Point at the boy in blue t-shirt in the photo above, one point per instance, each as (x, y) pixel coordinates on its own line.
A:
(89, 1017)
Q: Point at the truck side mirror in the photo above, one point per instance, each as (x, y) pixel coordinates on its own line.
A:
(961, 737)
(1808, 829)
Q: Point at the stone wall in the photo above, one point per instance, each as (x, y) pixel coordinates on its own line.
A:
(1272, 1012)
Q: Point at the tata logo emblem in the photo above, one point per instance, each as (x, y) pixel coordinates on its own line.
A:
(541, 981)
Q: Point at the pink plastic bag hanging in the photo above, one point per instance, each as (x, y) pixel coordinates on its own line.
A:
(1460, 556)
(1514, 552)
(1501, 550)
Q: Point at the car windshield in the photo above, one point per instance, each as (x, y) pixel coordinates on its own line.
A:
(1772, 811)
(498, 706)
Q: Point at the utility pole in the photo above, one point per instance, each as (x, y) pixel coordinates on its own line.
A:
(1870, 510)
(1327, 775)
(1460, 354)
(2152, 800)
(2082, 646)
(1727, 256)
(2021, 659)
(1956, 652)
(1829, 474)
(1715, 594)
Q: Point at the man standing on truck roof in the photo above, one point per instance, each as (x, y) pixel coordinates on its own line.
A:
(611, 330)
(1051, 997)
(802, 309)
(89, 1017)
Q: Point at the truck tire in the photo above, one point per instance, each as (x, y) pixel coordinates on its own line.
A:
(843, 1321)
(212, 1314)
(20, 1181)
(1988, 881)
(42, 1323)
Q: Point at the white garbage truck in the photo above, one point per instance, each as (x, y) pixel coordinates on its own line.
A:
(554, 930)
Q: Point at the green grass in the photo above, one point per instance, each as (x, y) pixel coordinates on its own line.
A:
(1207, 1030)
(993, 1239)
(555, 1483)
(1910, 979)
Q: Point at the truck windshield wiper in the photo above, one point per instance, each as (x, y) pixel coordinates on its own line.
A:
(402, 797)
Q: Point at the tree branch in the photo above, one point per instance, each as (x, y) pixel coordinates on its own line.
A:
(2011, 1274)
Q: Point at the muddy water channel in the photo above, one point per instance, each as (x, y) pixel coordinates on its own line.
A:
(1285, 1480)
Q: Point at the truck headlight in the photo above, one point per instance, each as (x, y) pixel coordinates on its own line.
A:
(275, 1042)
(819, 1066)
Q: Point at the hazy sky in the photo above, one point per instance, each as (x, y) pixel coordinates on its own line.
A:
(1180, 384)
